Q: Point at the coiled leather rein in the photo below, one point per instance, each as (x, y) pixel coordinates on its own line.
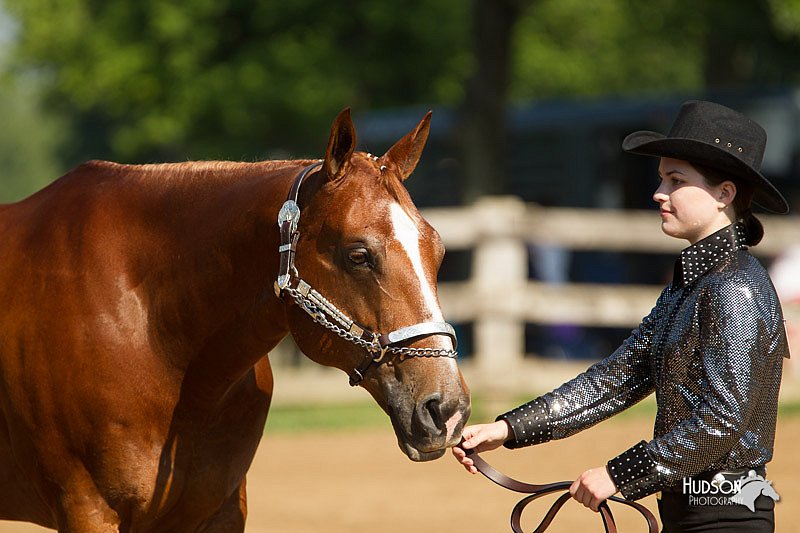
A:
(537, 491)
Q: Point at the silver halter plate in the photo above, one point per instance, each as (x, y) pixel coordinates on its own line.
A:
(325, 313)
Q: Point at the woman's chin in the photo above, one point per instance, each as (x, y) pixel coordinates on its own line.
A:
(670, 230)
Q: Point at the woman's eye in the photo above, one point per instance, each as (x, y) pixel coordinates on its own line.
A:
(358, 257)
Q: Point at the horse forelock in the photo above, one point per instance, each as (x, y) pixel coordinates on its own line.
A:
(385, 177)
(398, 191)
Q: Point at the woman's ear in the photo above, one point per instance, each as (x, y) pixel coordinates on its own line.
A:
(727, 192)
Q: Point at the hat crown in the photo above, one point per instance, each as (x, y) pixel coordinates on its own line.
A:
(722, 127)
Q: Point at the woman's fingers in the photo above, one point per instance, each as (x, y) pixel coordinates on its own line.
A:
(592, 488)
(461, 457)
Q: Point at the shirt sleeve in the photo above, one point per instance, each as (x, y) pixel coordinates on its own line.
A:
(606, 388)
(738, 341)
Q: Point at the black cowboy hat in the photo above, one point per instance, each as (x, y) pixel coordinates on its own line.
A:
(713, 135)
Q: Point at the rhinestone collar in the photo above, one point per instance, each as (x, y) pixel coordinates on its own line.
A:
(698, 258)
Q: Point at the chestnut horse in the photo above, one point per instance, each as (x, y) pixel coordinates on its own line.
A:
(139, 303)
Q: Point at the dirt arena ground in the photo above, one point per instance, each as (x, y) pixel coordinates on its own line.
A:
(360, 481)
(345, 481)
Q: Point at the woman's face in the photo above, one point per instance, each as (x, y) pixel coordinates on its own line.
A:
(691, 208)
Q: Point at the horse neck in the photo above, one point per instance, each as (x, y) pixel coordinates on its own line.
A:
(218, 314)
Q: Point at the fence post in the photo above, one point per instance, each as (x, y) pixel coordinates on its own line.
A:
(499, 276)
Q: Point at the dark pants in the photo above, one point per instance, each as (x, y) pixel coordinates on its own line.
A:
(677, 515)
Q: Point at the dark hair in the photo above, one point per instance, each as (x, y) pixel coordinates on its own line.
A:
(741, 203)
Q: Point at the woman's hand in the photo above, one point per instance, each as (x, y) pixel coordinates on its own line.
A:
(593, 487)
(481, 438)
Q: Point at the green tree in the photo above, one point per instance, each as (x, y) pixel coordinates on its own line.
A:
(29, 138)
(610, 47)
(29, 143)
(580, 49)
(483, 111)
(153, 80)
(631, 47)
(170, 79)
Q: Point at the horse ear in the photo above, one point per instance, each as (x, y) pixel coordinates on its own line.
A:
(405, 153)
(341, 144)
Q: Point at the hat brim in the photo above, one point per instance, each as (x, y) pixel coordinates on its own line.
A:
(658, 145)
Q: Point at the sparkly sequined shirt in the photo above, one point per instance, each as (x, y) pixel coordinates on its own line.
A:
(711, 350)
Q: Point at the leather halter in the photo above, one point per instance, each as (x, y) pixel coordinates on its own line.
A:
(537, 491)
(328, 315)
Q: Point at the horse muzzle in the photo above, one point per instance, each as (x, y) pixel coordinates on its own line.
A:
(433, 425)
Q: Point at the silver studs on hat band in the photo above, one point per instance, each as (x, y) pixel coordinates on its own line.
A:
(729, 145)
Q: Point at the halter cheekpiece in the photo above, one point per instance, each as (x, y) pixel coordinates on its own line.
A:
(328, 315)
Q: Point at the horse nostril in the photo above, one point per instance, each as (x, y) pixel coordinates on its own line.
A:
(433, 409)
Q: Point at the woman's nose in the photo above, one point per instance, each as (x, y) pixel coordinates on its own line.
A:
(659, 196)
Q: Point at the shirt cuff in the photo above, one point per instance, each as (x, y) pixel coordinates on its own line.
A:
(634, 472)
(530, 424)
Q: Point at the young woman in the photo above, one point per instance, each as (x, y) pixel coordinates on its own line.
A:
(711, 348)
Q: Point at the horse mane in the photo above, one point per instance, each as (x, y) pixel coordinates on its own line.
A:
(194, 169)
(185, 168)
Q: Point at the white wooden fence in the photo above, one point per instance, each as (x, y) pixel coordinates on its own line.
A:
(498, 299)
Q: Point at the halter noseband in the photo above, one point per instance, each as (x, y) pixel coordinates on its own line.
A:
(328, 315)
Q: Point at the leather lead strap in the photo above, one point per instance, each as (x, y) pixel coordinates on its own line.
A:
(537, 491)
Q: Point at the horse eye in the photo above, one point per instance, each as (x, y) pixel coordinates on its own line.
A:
(358, 257)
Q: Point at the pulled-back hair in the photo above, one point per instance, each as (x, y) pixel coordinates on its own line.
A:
(742, 202)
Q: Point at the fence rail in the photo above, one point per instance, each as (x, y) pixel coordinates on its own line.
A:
(499, 299)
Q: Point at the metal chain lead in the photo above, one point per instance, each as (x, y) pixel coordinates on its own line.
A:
(319, 317)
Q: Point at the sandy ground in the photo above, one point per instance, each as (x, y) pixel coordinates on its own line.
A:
(360, 481)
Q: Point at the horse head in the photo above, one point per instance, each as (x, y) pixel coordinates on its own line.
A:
(768, 490)
(752, 487)
(365, 253)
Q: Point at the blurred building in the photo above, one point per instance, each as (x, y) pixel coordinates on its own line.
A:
(567, 152)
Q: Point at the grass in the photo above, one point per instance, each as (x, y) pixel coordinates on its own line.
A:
(367, 415)
(294, 418)
(789, 408)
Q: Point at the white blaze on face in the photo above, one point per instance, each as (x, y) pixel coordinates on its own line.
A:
(407, 234)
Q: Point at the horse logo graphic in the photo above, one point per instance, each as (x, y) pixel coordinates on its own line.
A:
(752, 487)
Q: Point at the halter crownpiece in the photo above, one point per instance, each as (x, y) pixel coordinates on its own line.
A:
(288, 220)
(325, 313)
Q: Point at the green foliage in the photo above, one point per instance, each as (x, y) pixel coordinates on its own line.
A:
(29, 142)
(577, 48)
(166, 79)
(154, 80)
(786, 14)
(627, 47)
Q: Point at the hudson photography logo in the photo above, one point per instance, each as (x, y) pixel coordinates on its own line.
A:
(723, 491)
